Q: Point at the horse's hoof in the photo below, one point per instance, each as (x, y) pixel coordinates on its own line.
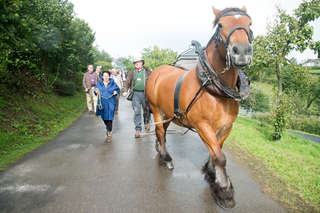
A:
(169, 165)
(226, 204)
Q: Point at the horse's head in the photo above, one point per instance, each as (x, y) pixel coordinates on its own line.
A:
(233, 36)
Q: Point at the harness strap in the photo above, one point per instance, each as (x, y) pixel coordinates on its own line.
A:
(177, 111)
(177, 94)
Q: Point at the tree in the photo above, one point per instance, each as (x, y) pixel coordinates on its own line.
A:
(103, 59)
(315, 46)
(285, 34)
(125, 62)
(300, 85)
(261, 61)
(43, 40)
(309, 11)
(155, 56)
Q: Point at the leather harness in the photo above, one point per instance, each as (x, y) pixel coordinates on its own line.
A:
(209, 77)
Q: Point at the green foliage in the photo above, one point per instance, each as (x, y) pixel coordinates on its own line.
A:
(296, 78)
(287, 33)
(309, 124)
(280, 115)
(279, 122)
(44, 39)
(293, 163)
(29, 121)
(102, 58)
(306, 12)
(155, 57)
(257, 101)
(64, 88)
(299, 84)
(125, 62)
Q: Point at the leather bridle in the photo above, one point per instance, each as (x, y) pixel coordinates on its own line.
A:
(218, 38)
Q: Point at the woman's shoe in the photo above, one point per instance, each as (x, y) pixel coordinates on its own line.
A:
(109, 137)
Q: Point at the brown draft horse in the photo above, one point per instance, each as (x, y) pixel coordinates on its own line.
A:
(211, 115)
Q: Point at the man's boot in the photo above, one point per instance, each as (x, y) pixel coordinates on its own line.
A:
(137, 135)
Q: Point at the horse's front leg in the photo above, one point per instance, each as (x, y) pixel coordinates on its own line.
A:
(215, 168)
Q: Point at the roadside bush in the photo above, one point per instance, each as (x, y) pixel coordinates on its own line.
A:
(257, 101)
(263, 117)
(64, 88)
(77, 80)
(309, 124)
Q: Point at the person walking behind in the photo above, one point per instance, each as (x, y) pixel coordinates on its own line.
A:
(123, 77)
(136, 81)
(106, 90)
(98, 72)
(117, 78)
(90, 79)
(95, 98)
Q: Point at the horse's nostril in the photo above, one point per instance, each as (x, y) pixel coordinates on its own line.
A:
(235, 50)
(249, 50)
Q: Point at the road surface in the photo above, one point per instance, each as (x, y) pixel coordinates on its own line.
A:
(78, 172)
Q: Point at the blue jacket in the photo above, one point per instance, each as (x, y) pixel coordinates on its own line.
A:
(108, 101)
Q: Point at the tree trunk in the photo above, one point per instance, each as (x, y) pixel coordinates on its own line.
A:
(309, 102)
(279, 83)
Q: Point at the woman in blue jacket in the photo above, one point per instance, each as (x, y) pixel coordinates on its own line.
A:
(107, 90)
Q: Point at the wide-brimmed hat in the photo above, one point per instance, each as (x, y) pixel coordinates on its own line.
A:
(137, 59)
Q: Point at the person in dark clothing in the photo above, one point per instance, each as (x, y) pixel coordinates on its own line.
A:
(107, 90)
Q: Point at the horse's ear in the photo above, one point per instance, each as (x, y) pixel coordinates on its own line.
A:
(244, 8)
(215, 11)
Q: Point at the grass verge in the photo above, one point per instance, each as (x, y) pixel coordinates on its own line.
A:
(289, 170)
(26, 122)
(315, 71)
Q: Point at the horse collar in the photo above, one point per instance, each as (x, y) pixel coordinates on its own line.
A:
(216, 86)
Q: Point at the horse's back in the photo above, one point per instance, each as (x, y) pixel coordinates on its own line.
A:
(161, 84)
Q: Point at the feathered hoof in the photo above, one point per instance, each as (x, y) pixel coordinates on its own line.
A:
(169, 165)
(226, 204)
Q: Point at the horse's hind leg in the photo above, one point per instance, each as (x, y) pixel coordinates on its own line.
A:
(215, 169)
(165, 158)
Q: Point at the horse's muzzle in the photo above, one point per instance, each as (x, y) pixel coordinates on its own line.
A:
(240, 54)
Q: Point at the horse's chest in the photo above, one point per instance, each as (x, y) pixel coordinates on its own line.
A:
(226, 118)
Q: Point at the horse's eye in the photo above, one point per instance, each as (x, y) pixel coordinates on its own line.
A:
(220, 25)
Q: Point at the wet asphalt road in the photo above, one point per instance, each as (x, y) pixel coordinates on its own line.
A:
(78, 172)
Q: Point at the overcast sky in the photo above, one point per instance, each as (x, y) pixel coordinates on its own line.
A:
(125, 27)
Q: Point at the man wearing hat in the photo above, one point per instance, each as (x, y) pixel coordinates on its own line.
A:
(136, 81)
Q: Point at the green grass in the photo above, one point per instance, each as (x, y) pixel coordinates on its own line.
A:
(28, 122)
(315, 71)
(265, 87)
(294, 163)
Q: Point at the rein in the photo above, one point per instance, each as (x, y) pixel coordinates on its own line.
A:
(99, 105)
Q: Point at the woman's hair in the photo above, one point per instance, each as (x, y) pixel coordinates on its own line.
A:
(106, 71)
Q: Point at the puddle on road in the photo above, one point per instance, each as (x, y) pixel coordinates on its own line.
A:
(23, 169)
(25, 188)
(75, 146)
